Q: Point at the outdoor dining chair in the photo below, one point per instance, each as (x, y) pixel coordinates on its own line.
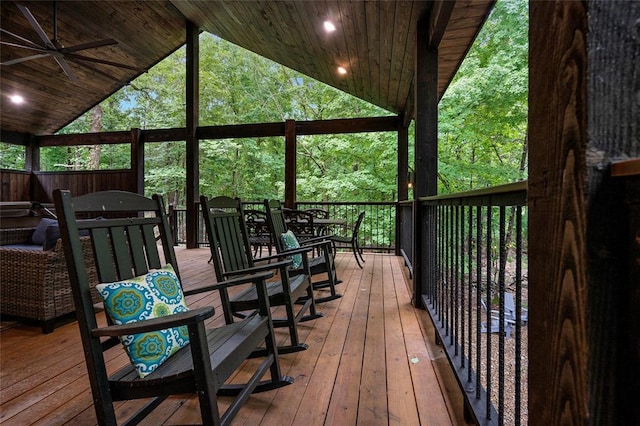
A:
(352, 240)
(258, 231)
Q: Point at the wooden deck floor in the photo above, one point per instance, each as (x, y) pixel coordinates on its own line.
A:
(371, 361)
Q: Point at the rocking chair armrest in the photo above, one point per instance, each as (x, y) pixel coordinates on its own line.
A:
(300, 250)
(316, 241)
(268, 258)
(245, 279)
(261, 268)
(183, 318)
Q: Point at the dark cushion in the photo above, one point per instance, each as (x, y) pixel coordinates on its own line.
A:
(40, 234)
(52, 233)
(51, 237)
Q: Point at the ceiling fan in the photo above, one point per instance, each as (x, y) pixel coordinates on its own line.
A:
(52, 47)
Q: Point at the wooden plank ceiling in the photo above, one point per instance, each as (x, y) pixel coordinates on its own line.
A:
(374, 41)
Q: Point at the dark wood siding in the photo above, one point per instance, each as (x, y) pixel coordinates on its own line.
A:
(80, 183)
(15, 185)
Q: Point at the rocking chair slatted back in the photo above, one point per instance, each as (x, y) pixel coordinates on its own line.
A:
(229, 236)
(231, 254)
(128, 242)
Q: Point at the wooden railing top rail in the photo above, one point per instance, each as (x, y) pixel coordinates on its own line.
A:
(626, 168)
(508, 194)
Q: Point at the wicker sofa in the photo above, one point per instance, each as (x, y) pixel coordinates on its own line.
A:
(34, 283)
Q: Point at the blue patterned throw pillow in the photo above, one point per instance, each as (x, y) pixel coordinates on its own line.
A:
(153, 295)
(289, 241)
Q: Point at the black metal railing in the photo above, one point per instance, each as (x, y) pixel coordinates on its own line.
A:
(377, 232)
(476, 243)
(405, 233)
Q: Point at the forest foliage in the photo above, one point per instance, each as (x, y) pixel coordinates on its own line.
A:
(482, 125)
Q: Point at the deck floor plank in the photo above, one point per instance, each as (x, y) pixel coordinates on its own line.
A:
(312, 409)
(402, 403)
(343, 406)
(373, 407)
(358, 368)
(427, 387)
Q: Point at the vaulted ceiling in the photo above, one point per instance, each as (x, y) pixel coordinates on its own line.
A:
(374, 42)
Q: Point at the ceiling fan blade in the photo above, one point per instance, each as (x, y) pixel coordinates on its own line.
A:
(22, 39)
(36, 26)
(21, 46)
(104, 62)
(26, 58)
(90, 45)
(65, 67)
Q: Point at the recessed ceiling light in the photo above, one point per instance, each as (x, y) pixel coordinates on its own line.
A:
(17, 99)
(329, 26)
(342, 70)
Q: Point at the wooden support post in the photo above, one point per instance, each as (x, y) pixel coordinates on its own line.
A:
(403, 175)
(426, 152)
(137, 160)
(583, 113)
(32, 164)
(192, 118)
(290, 164)
(32, 154)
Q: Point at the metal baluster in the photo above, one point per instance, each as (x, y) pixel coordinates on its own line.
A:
(470, 275)
(518, 366)
(456, 265)
(501, 289)
(488, 254)
(449, 284)
(478, 295)
(463, 308)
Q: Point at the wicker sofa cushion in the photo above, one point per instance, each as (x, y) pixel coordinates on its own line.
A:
(152, 295)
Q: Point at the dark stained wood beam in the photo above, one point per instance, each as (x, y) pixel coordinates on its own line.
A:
(290, 164)
(426, 153)
(426, 127)
(313, 127)
(347, 125)
(438, 20)
(242, 131)
(32, 155)
(626, 168)
(558, 272)
(137, 159)
(164, 135)
(103, 138)
(15, 138)
(403, 174)
(192, 119)
(403, 161)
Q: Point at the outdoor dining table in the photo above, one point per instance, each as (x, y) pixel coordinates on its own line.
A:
(323, 225)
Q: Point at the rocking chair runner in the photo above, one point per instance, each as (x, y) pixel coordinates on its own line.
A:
(319, 265)
(231, 253)
(125, 249)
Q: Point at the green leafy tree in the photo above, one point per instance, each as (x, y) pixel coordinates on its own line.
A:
(12, 156)
(482, 124)
(483, 115)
